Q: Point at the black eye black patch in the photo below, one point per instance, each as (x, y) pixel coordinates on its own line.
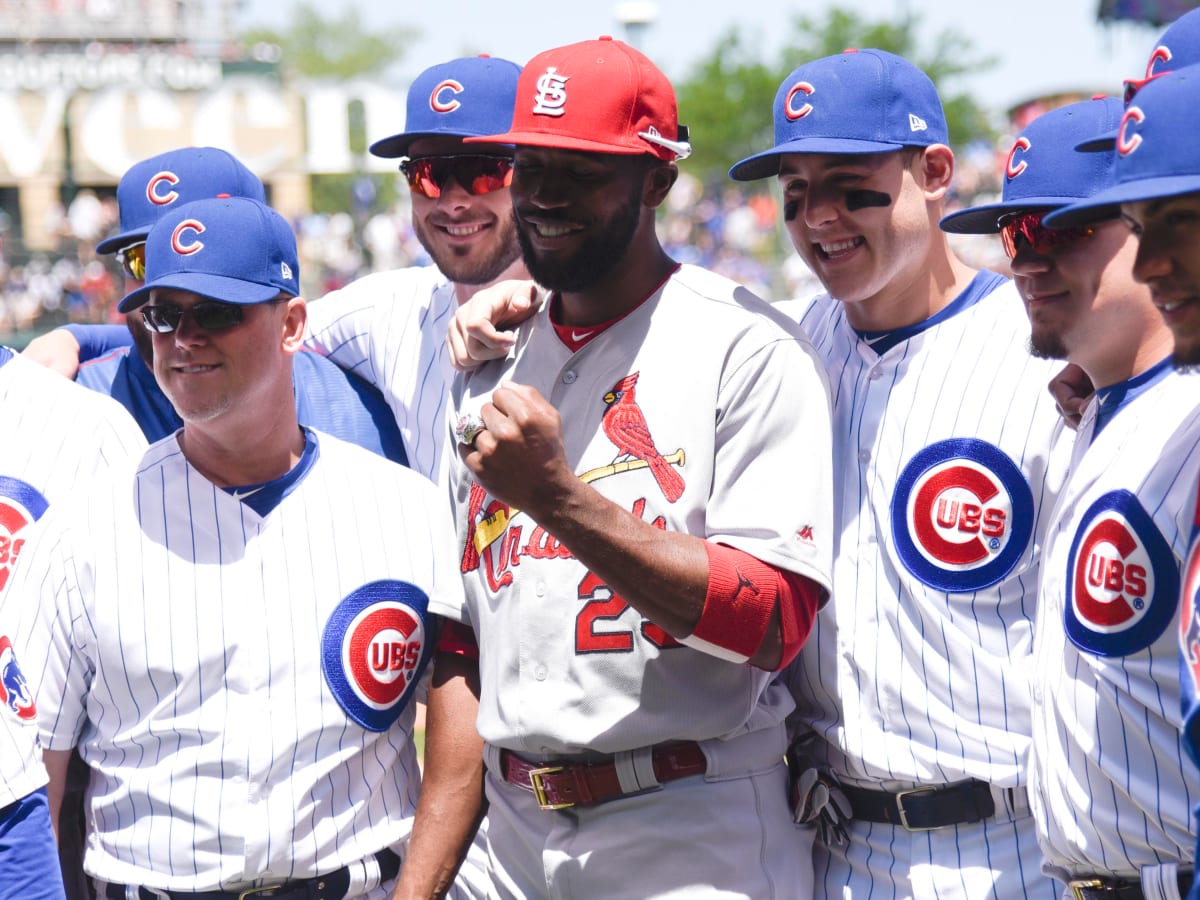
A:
(864, 199)
(790, 210)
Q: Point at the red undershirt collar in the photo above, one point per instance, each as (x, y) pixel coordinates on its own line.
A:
(577, 337)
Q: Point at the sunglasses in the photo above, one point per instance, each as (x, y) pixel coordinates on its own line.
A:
(133, 260)
(1132, 85)
(1021, 229)
(427, 175)
(210, 315)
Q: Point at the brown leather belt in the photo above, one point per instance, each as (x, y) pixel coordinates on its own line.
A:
(586, 784)
(1104, 887)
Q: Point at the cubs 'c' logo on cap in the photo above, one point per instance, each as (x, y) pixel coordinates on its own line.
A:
(158, 188)
(20, 505)
(179, 241)
(1122, 580)
(1126, 142)
(374, 648)
(1161, 54)
(790, 109)
(442, 99)
(1012, 168)
(962, 515)
(551, 99)
(14, 689)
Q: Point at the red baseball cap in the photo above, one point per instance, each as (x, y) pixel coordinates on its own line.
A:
(598, 96)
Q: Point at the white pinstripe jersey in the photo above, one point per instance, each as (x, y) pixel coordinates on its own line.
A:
(916, 673)
(390, 328)
(735, 402)
(1111, 786)
(238, 682)
(57, 438)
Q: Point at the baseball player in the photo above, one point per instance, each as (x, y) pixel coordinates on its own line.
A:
(390, 327)
(636, 567)
(327, 398)
(44, 463)
(1106, 713)
(233, 633)
(913, 694)
(1157, 192)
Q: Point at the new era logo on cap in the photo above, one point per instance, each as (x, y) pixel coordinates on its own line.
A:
(156, 185)
(233, 249)
(860, 101)
(598, 96)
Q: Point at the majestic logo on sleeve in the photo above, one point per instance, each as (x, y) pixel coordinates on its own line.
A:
(14, 689)
(626, 427)
(374, 648)
(962, 515)
(551, 99)
(1122, 579)
(20, 505)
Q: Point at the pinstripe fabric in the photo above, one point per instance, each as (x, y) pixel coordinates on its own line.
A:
(390, 328)
(916, 673)
(1113, 787)
(57, 438)
(183, 632)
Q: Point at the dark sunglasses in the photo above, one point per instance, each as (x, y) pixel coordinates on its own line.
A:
(133, 260)
(1019, 229)
(210, 315)
(478, 174)
(1132, 85)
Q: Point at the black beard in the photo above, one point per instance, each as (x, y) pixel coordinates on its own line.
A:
(468, 269)
(593, 261)
(1046, 346)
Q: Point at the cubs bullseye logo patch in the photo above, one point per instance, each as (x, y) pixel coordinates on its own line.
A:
(1122, 580)
(1189, 623)
(14, 689)
(20, 505)
(374, 648)
(962, 515)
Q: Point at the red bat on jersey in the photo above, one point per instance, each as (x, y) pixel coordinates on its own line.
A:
(626, 427)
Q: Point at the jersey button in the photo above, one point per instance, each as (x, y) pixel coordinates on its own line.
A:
(540, 673)
(874, 374)
(540, 589)
(569, 377)
(864, 456)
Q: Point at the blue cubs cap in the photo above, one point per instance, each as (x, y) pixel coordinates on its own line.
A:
(231, 249)
(860, 101)
(154, 186)
(1156, 155)
(1178, 48)
(461, 98)
(1044, 170)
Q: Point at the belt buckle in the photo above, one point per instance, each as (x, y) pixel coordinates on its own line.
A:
(267, 890)
(900, 795)
(539, 788)
(1079, 885)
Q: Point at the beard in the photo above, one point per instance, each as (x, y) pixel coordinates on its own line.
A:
(1046, 343)
(1186, 356)
(472, 265)
(598, 256)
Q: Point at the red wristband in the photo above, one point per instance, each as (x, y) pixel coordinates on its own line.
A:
(458, 639)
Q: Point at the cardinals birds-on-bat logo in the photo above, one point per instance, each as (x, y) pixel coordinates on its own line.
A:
(626, 428)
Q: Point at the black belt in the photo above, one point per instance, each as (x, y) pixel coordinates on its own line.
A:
(924, 808)
(1103, 887)
(331, 886)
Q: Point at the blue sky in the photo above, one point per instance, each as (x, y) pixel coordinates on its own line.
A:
(1043, 45)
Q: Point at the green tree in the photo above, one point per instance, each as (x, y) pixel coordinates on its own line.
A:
(726, 99)
(336, 47)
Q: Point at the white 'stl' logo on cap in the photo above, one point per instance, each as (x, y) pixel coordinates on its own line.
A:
(916, 123)
(551, 95)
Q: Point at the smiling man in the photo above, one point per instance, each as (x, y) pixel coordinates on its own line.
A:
(636, 567)
(912, 694)
(244, 710)
(1106, 707)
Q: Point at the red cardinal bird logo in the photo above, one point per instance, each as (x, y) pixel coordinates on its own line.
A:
(626, 427)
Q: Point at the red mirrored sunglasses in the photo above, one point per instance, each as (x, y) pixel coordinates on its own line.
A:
(1020, 229)
(478, 174)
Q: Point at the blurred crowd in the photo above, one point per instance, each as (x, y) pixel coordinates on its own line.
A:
(726, 227)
